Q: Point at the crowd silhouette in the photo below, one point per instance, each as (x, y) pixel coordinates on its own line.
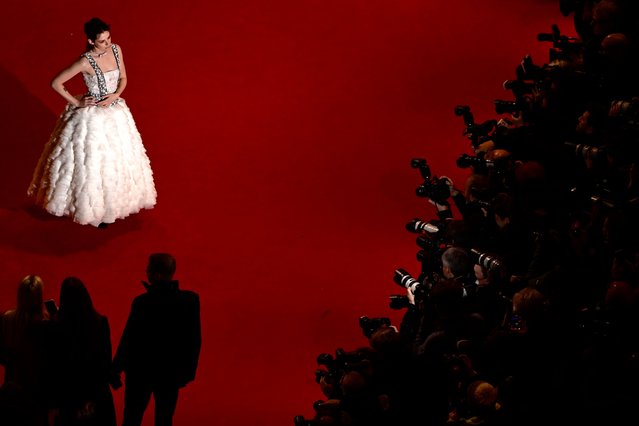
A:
(58, 359)
(524, 311)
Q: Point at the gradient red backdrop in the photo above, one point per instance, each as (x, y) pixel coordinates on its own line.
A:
(280, 134)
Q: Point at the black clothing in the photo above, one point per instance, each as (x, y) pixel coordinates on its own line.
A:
(84, 364)
(25, 353)
(159, 349)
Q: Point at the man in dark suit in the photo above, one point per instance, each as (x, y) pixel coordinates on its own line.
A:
(160, 344)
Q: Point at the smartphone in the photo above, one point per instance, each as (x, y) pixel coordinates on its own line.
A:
(51, 307)
(516, 323)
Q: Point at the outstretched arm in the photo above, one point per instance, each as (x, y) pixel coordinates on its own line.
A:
(67, 74)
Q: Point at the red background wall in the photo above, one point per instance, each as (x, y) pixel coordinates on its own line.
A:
(280, 134)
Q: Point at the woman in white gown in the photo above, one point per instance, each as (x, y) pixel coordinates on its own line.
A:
(94, 168)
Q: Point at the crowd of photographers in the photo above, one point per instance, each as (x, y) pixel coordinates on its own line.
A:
(525, 307)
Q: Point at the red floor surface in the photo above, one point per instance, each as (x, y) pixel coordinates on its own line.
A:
(280, 134)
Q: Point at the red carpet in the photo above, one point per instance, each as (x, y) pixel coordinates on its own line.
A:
(280, 134)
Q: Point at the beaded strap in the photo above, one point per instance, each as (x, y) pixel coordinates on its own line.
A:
(98, 72)
(116, 53)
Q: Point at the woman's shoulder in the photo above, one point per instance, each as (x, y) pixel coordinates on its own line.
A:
(82, 62)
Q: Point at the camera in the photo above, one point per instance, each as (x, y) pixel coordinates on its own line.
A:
(477, 162)
(406, 280)
(464, 112)
(587, 151)
(371, 325)
(477, 133)
(302, 421)
(338, 364)
(519, 87)
(434, 188)
(419, 226)
(487, 261)
(560, 41)
(428, 243)
(398, 301)
(509, 107)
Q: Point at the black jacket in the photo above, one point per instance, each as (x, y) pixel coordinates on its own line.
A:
(162, 337)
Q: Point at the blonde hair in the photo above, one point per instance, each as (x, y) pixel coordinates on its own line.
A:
(30, 298)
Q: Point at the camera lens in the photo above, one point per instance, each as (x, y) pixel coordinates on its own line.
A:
(405, 280)
(418, 225)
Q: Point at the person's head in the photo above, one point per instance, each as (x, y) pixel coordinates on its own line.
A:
(30, 301)
(386, 340)
(75, 301)
(476, 187)
(98, 34)
(530, 304)
(161, 267)
(607, 18)
(456, 262)
(482, 397)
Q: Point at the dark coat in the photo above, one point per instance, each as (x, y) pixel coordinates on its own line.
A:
(84, 359)
(162, 337)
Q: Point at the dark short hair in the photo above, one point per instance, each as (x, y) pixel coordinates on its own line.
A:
(162, 264)
(94, 27)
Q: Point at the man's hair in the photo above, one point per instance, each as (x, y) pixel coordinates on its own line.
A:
(162, 264)
(457, 260)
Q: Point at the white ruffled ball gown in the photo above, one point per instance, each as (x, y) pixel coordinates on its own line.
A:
(94, 168)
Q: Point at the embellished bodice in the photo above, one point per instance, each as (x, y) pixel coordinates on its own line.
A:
(111, 79)
(102, 83)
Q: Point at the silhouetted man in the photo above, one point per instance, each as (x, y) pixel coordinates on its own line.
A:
(160, 344)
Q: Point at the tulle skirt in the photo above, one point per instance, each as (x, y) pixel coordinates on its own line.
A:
(94, 168)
